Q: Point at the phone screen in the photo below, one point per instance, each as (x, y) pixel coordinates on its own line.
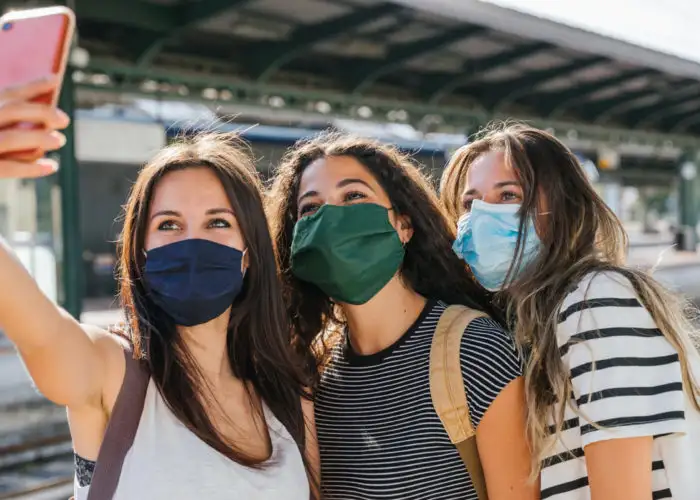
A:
(31, 48)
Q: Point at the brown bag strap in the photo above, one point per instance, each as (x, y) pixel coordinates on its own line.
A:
(448, 392)
(121, 429)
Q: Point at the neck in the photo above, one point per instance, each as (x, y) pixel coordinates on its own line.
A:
(382, 321)
(206, 343)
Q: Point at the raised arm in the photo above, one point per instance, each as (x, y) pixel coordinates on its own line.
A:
(66, 363)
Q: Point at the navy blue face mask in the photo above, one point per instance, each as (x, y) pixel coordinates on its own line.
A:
(193, 281)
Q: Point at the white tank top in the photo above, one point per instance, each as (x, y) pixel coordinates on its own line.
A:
(168, 462)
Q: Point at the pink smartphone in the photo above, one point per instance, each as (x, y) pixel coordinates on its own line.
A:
(35, 44)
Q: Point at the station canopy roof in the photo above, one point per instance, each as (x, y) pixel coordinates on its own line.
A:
(373, 58)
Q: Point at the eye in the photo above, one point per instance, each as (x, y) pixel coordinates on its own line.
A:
(307, 209)
(352, 196)
(219, 223)
(509, 196)
(168, 225)
(467, 204)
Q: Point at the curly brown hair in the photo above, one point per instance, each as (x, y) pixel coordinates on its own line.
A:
(430, 267)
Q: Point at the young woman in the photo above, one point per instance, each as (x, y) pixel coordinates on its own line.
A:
(222, 399)
(611, 400)
(366, 256)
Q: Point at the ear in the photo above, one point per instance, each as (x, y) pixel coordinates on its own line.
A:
(405, 228)
(245, 262)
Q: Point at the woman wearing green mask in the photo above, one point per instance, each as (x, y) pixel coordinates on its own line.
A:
(612, 407)
(366, 255)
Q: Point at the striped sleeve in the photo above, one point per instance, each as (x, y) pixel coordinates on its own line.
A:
(490, 362)
(626, 377)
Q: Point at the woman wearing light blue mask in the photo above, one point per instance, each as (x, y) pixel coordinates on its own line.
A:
(612, 380)
(487, 239)
(202, 395)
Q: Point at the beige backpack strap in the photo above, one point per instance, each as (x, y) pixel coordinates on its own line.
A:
(448, 392)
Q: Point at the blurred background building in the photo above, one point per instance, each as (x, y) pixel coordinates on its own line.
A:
(618, 81)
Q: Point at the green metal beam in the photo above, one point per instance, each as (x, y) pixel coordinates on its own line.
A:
(127, 80)
(68, 176)
(560, 101)
(676, 120)
(686, 234)
(268, 57)
(502, 94)
(134, 13)
(671, 106)
(592, 110)
(187, 15)
(444, 85)
(684, 122)
(399, 54)
(402, 19)
(673, 112)
(196, 12)
(634, 100)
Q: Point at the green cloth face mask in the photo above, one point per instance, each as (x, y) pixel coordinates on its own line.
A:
(350, 252)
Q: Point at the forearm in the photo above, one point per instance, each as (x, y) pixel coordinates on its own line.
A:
(27, 317)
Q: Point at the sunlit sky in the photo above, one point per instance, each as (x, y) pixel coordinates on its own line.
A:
(669, 26)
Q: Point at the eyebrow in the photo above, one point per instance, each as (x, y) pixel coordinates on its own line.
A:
(173, 213)
(214, 211)
(498, 185)
(346, 182)
(168, 213)
(341, 184)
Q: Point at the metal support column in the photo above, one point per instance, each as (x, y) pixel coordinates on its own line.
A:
(686, 235)
(72, 260)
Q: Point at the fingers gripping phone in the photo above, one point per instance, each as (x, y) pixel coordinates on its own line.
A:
(35, 44)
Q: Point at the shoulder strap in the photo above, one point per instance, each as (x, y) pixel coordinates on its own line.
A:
(121, 429)
(448, 392)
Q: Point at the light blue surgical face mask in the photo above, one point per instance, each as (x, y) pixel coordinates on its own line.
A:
(486, 240)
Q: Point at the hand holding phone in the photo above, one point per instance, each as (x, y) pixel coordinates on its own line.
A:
(19, 106)
(35, 46)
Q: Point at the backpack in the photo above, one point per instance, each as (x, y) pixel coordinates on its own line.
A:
(448, 392)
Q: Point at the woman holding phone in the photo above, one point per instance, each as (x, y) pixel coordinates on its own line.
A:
(223, 409)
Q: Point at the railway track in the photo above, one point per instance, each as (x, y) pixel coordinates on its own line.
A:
(37, 469)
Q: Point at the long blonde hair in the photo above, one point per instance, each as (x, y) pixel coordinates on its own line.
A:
(583, 236)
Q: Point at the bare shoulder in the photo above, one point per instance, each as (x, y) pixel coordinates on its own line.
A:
(109, 344)
(111, 348)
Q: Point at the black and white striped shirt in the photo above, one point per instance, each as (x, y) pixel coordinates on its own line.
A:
(626, 378)
(378, 433)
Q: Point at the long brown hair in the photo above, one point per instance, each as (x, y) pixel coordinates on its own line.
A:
(583, 236)
(258, 339)
(430, 267)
